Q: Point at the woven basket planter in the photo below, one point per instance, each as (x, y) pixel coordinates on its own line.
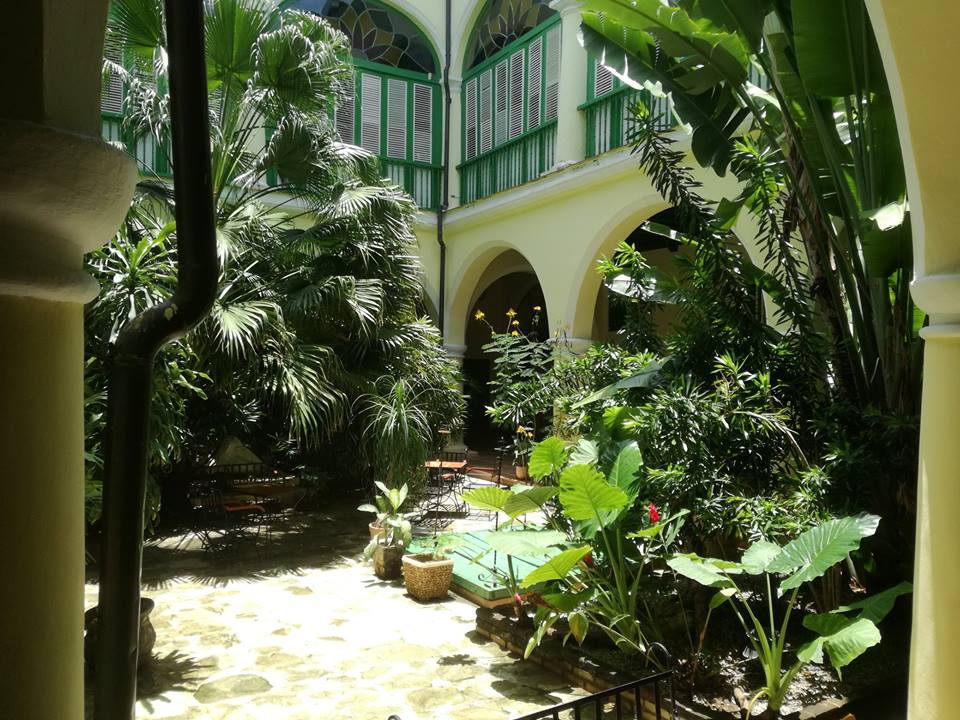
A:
(427, 578)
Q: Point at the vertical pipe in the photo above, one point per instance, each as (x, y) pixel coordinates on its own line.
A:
(445, 199)
(128, 408)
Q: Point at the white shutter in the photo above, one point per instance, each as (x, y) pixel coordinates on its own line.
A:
(516, 94)
(111, 92)
(486, 111)
(370, 113)
(534, 78)
(470, 109)
(422, 123)
(397, 119)
(500, 114)
(552, 98)
(345, 112)
(603, 80)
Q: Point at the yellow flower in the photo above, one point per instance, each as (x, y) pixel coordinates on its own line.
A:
(515, 333)
(511, 313)
(521, 430)
(515, 323)
(537, 308)
(479, 315)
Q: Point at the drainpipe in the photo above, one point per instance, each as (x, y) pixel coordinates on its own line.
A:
(128, 406)
(445, 179)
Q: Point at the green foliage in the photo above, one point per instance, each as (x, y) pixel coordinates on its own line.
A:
(315, 334)
(395, 527)
(804, 559)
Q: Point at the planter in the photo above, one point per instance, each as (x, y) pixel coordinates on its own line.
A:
(148, 636)
(387, 561)
(375, 530)
(427, 578)
(520, 472)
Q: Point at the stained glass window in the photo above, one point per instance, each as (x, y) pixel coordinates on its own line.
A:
(501, 22)
(377, 33)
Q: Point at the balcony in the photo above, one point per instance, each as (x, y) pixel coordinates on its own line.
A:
(419, 180)
(518, 161)
(610, 121)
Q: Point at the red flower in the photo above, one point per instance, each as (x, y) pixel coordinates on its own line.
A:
(588, 559)
(654, 513)
(517, 599)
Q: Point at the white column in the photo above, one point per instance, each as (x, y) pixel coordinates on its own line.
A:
(571, 124)
(456, 119)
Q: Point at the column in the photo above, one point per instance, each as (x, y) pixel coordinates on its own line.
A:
(571, 125)
(936, 595)
(456, 118)
(63, 192)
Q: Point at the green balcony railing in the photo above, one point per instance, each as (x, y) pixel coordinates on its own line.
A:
(610, 120)
(151, 157)
(519, 161)
(419, 180)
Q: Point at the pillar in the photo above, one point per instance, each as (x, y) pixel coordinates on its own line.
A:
(456, 149)
(571, 124)
(63, 192)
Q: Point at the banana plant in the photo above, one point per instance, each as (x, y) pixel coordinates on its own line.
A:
(844, 634)
(793, 94)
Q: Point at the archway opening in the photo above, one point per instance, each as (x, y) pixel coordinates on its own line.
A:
(656, 239)
(509, 284)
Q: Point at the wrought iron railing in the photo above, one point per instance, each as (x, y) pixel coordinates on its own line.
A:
(519, 161)
(610, 118)
(649, 698)
(419, 180)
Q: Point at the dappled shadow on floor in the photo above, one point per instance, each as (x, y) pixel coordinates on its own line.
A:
(289, 546)
(156, 677)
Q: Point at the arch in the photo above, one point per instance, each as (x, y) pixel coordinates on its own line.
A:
(483, 37)
(380, 32)
(581, 305)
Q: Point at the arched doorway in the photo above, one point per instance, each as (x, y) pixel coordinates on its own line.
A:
(508, 284)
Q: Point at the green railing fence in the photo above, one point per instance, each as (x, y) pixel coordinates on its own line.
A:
(151, 157)
(610, 120)
(521, 160)
(419, 180)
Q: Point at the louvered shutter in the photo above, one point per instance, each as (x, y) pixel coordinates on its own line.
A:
(111, 92)
(345, 114)
(552, 98)
(470, 109)
(486, 111)
(534, 78)
(397, 119)
(422, 123)
(370, 113)
(501, 115)
(516, 94)
(603, 80)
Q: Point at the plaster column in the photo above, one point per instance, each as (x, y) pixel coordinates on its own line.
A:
(456, 119)
(63, 192)
(936, 595)
(571, 124)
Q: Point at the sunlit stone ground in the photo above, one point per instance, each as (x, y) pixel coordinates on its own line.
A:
(298, 627)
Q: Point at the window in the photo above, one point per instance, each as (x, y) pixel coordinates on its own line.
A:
(512, 92)
(503, 22)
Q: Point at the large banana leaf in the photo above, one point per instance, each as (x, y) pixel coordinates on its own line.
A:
(815, 551)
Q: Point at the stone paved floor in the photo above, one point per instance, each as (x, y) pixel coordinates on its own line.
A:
(299, 628)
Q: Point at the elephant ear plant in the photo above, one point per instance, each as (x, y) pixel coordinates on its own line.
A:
(395, 528)
(844, 634)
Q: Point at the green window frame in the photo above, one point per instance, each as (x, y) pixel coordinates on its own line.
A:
(513, 92)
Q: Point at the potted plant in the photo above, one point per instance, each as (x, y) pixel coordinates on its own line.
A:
(394, 531)
(427, 575)
(522, 444)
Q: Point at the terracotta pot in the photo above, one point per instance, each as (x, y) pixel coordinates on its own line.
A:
(388, 561)
(375, 530)
(148, 635)
(520, 472)
(427, 578)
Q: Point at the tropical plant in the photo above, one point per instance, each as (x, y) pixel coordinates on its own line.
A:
(319, 284)
(395, 528)
(844, 634)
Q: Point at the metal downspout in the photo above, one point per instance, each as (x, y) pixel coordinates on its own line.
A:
(128, 407)
(445, 200)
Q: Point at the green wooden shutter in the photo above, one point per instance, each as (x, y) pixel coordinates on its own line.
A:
(486, 112)
(501, 114)
(345, 114)
(534, 80)
(552, 93)
(470, 110)
(370, 108)
(422, 123)
(603, 80)
(516, 94)
(397, 119)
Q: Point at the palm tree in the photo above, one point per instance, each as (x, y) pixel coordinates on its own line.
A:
(320, 286)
